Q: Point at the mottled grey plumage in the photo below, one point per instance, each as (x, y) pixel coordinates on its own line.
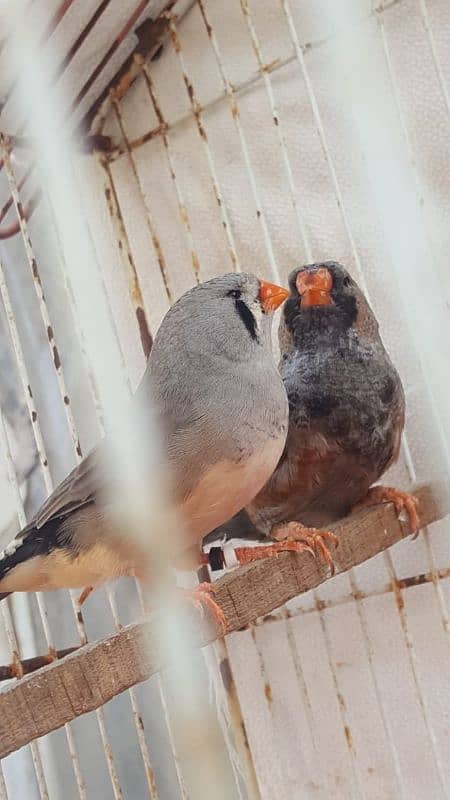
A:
(223, 409)
(346, 411)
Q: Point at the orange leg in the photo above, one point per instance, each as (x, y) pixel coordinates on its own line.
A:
(84, 595)
(294, 537)
(403, 501)
(201, 597)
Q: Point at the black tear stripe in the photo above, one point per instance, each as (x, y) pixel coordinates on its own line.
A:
(247, 318)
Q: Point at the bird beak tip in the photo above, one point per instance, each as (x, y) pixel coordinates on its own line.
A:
(271, 296)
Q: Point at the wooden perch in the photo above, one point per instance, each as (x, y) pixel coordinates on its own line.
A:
(82, 681)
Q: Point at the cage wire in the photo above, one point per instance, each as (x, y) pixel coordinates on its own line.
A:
(266, 134)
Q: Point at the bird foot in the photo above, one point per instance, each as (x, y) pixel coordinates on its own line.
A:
(315, 539)
(403, 501)
(295, 538)
(84, 595)
(201, 597)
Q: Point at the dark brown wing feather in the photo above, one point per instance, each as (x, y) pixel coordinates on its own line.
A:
(79, 488)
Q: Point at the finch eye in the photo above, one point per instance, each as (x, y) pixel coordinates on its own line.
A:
(235, 293)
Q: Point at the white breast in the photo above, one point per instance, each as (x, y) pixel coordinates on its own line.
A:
(226, 488)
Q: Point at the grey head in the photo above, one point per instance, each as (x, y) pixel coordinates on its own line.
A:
(226, 318)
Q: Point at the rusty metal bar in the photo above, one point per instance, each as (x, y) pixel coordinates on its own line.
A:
(277, 122)
(110, 52)
(198, 116)
(231, 95)
(19, 503)
(5, 612)
(238, 90)
(14, 228)
(151, 782)
(109, 591)
(3, 791)
(42, 304)
(49, 30)
(184, 216)
(82, 37)
(27, 665)
(151, 226)
(42, 454)
(134, 287)
(239, 744)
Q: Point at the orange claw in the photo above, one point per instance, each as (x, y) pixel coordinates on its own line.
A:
(294, 537)
(201, 597)
(314, 538)
(403, 501)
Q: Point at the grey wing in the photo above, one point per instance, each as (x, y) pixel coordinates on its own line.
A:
(78, 489)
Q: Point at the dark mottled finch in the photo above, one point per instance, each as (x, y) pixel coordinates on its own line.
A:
(346, 417)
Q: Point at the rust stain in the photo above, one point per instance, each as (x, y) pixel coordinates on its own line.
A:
(16, 666)
(244, 734)
(175, 40)
(50, 333)
(418, 580)
(152, 782)
(130, 268)
(268, 693)
(162, 264)
(348, 736)
(52, 655)
(190, 89)
(66, 400)
(208, 27)
(78, 448)
(398, 595)
(29, 390)
(35, 271)
(234, 109)
(227, 675)
(56, 358)
(144, 332)
(34, 415)
(45, 462)
(195, 264)
(270, 66)
(183, 212)
(140, 722)
(160, 130)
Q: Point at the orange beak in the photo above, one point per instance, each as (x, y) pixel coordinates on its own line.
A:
(315, 288)
(271, 296)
